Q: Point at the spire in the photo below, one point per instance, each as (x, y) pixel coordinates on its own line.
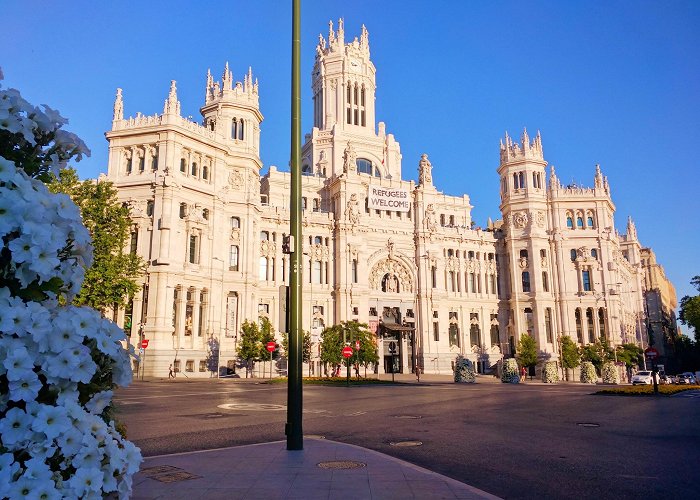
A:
(227, 78)
(118, 106)
(331, 34)
(364, 39)
(553, 179)
(631, 229)
(172, 105)
(598, 179)
(210, 84)
(606, 186)
(525, 139)
(341, 32)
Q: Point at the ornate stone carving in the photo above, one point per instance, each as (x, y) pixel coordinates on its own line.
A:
(398, 276)
(390, 248)
(352, 211)
(235, 234)
(523, 262)
(430, 219)
(235, 179)
(544, 263)
(539, 218)
(349, 159)
(267, 248)
(136, 208)
(425, 176)
(520, 219)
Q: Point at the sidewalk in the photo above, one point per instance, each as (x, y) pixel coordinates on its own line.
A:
(322, 470)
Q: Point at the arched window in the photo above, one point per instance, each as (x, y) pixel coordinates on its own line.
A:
(183, 210)
(594, 253)
(569, 222)
(521, 179)
(264, 235)
(573, 254)
(234, 128)
(589, 321)
(205, 214)
(454, 334)
(523, 254)
(316, 205)
(548, 325)
(183, 165)
(526, 281)
(240, 129)
(318, 240)
(263, 269)
(601, 322)
(142, 164)
(154, 162)
(543, 253)
(535, 179)
(579, 326)
(390, 283)
(205, 172)
(235, 222)
(442, 220)
(150, 205)
(589, 222)
(494, 330)
(307, 170)
(194, 170)
(364, 166)
(545, 281)
(452, 221)
(579, 222)
(129, 165)
(516, 185)
(233, 258)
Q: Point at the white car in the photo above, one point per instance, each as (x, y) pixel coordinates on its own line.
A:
(643, 377)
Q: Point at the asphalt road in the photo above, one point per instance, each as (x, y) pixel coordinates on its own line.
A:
(515, 441)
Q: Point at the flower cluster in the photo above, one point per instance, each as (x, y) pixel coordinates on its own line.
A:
(464, 370)
(59, 363)
(550, 374)
(510, 373)
(610, 373)
(588, 374)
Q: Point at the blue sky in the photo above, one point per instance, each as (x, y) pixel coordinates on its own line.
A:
(609, 82)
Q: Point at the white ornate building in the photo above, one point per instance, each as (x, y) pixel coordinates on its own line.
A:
(380, 248)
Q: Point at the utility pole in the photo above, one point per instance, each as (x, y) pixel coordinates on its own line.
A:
(293, 428)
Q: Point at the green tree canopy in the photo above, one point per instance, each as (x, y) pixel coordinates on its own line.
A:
(305, 346)
(249, 343)
(569, 353)
(629, 354)
(526, 353)
(114, 274)
(332, 344)
(597, 353)
(690, 309)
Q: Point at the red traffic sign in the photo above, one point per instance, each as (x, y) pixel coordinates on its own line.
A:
(357, 345)
(144, 343)
(347, 352)
(271, 346)
(651, 353)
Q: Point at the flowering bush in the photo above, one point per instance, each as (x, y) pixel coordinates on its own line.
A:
(588, 374)
(610, 373)
(464, 370)
(550, 374)
(60, 363)
(510, 373)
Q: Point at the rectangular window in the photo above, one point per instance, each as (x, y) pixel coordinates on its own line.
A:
(189, 365)
(526, 281)
(436, 331)
(263, 269)
(194, 250)
(202, 365)
(134, 242)
(545, 282)
(586, 280)
(472, 282)
(354, 270)
(433, 275)
(233, 258)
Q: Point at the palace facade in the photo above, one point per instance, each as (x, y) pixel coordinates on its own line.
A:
(379, 247)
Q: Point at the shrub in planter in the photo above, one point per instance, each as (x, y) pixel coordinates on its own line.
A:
(464, 370)
(60, 363)
(610, 373)
(550, 374)
(588, 374)
(510, 374)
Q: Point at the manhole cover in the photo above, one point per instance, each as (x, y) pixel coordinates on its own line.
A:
(587, 424)
(407, 416)
(158, 469)
(251, 407)
(172, 477)
(403, 444)
(314, 436)
(341, 464)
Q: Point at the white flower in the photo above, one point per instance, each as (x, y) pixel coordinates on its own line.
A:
(89, 456)
(17, 363)
(15, 427)
(99, 402)
(25, 389)
(51, 420)
(70, 441)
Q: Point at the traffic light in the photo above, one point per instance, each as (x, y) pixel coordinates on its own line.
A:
(287, 243)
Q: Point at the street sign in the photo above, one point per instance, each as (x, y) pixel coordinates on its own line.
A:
(271, 346)
(651, 353)
(144, 343)
(357, 345)
(347, 352)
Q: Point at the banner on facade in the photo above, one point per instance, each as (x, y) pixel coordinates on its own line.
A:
(394, 199)
(373, 326)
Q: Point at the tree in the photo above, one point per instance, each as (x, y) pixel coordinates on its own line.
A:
(305, 346)
(629, 354)
(597, 353)
(570, 357)
(249, 344)
(113, 276)
(527, 351)
(332, 345)
(690, 309)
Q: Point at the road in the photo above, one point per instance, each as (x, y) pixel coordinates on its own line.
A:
(515, 441)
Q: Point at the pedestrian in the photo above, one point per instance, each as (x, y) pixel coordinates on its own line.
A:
(171, 374)
(523, 374)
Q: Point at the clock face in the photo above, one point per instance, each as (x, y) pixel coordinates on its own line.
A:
(354, 65)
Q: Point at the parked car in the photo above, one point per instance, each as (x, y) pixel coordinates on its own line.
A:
(643, 377)
(666, 379)
(686, 378)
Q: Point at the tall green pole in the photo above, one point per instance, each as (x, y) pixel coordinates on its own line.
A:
(293, 429)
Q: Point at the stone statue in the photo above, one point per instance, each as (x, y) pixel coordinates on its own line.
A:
(349, 159)
(425, 168)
